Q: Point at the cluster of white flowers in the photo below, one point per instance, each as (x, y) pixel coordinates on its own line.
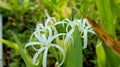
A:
(47, 33)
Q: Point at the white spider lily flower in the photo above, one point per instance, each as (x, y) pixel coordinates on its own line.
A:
(85, 28)
(72, 25)
(45, 42)
(69, 32)
(49, 23)
(65, 21)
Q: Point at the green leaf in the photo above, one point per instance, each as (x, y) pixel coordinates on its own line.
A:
(18, 47)
(5, 5)
(75, 56)
(101, 56)
(26, 57)
(105, 8)
(9, 44)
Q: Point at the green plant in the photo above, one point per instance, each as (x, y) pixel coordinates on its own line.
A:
(56, 40)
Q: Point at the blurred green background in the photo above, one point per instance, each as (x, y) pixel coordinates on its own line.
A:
(20, 18)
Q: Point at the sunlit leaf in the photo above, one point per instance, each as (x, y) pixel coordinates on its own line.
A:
(5, 5)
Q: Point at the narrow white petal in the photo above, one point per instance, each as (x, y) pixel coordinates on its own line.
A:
(60, 48)
(85, 39)
(61, 22)
(57, 35)
(45, 57)
(32, 44)
(34, 61)
(31, 36)
(67, 27)
(44, 38)
(55, 31)
(68, 36)
(47, 22)
(38, 36)
(87, 27)
(50, 33)
(99, 45)
(91, 31)
(67, 20)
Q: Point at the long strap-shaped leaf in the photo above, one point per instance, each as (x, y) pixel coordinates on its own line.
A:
(75, 56)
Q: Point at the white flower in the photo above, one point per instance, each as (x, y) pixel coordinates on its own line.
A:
(85, 28)
(69, 32)
(45, 42)
(45, 36)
